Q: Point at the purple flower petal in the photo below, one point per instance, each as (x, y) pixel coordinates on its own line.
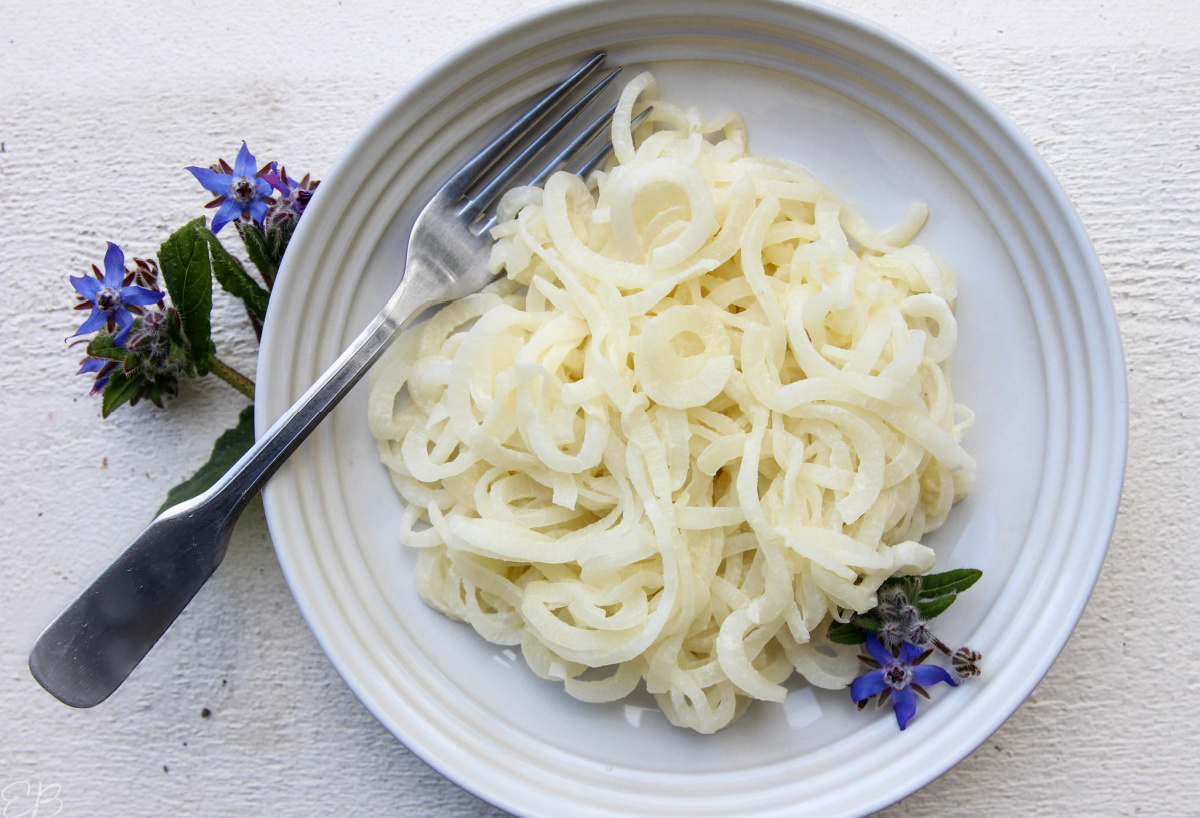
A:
(909, 653)
(258, 210)
(263, 186)
(139, 296)
(867, 685)
(272, 178)
(244, 165)
(878, 652)
(212, 181)
(226, 213)
(114, 266)
(94, 322)
(904, 702)
(929, 675)
(91, 365)
(103, 375)
(86, 286)
(124, 321)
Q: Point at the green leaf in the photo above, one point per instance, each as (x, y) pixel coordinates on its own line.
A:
(102, 346)
(187, 272)
(846, 633)
(122, 388)
(233, 277)
(931, 608)
(230, 446)
(260, 251)
(948, 582)
(868, 621)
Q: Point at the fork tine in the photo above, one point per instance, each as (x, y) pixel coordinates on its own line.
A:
(599, 156)
(483, 161)
(579, 143)
(504, 178)
(571, 151)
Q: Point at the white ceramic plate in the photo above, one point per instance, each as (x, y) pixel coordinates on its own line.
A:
(1039, 359)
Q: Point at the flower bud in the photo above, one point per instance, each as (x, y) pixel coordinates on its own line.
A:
(966, 662)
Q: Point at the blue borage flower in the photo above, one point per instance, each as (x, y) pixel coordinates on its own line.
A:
(241, 191)
(112, 297)
(900, 677)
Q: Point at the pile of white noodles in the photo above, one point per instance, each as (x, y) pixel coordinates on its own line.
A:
(704, 414)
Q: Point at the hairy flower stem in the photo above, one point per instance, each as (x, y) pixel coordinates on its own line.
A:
(232, 377)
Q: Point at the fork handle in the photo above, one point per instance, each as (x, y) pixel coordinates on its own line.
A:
(96, 642)
(243, 481)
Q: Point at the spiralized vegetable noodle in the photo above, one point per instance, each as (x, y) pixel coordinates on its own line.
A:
(703, 414)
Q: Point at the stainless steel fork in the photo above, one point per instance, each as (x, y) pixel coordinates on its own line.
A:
(93, 645)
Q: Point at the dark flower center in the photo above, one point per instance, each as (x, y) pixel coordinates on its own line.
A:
(242, 189)
(898, 676)
(107, 298)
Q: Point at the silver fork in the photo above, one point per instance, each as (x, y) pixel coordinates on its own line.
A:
(91, 648)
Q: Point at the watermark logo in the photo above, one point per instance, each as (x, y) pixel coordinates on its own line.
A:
(30, 799)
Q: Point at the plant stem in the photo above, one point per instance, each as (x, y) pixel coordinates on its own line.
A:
(232, 377)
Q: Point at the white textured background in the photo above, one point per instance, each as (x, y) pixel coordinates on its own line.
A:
(237, 712)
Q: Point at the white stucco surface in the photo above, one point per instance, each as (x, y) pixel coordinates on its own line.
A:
(237, 711)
